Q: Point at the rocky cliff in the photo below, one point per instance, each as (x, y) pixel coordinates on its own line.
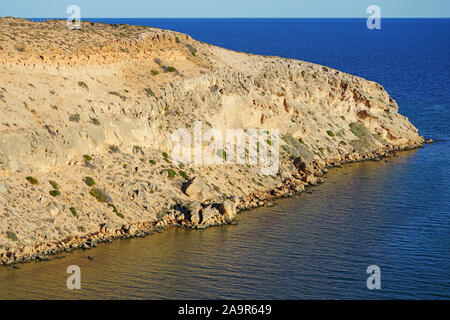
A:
(87, 117)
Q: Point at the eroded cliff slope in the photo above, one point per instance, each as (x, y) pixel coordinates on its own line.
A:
(87, 117)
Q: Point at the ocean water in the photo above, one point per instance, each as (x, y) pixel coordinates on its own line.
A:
(393, 214)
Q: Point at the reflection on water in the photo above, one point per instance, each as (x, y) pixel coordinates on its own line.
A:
(393, 214)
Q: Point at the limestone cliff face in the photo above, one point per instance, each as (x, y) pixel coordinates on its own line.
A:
(116, 93)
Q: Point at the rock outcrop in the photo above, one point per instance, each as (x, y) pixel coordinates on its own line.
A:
(87, 117)
(197, 189)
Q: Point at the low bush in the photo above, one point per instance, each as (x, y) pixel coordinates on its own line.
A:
(120, 215)
(100, 195)
(11, 236)
(170, 69)
(183, 174)
(222, 154)
(359, 130)
(83, 85)
(32, 180)
(74, 117)
(171, 173)
(113, 149)
(54, 184)
(55, 193)
(74, 211)
(89, 181)
(149, 92)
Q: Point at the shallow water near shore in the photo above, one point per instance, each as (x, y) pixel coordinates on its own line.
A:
(393, 214)
(317, 245)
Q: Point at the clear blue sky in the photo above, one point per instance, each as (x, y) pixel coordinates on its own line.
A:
(225, 8)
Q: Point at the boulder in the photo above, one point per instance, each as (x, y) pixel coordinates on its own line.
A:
(197, 189)
(228, 210)
(53, 209)
(194, 209)
(208, 213)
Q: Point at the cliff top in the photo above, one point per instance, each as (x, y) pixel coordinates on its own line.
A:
(51, 40)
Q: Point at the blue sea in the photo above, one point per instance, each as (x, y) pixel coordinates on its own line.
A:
(393, 214)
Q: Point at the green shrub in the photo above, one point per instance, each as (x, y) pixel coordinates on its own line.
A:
(74, 117)
(11, 236)
(99, 194)
(74, 211)
(330, 133)
(113, 149)
(32, 180)
(358, 129)
(216, 188)
(222, 154)
(87, 157)
(171, 173)
(120, 215)
(54, 184)
(153, 162)
(343, 143)
(83, 85)
(149, 92)
(55, 193)
(89, 181)
(165, 155)
(191, 49)
(155, 72)
(183, 174)
(170, 69)
(95, 121)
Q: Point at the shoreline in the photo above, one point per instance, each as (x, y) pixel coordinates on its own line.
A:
(147, 228)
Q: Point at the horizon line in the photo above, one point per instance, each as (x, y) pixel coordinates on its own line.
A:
(228, 17)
